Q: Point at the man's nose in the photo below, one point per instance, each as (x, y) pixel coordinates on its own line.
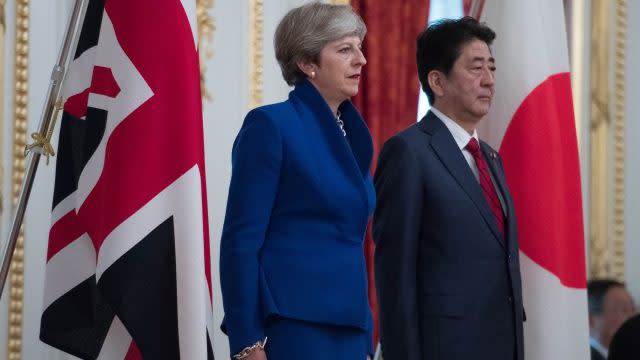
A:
(488, 76)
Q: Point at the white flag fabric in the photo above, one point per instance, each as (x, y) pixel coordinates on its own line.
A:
(532, 123)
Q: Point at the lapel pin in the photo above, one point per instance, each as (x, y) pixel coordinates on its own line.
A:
(493, 155)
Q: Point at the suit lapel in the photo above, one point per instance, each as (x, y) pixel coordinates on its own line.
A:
(359, 137)
(354, 159)
(498, 175)
(496, 171)
(449, 153)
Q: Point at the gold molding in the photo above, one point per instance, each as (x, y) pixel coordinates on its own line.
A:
(3, 31)
(256, 21)
(206, 28)
(618, 246)
(340, 2)
(599, 94)
(21, 78)
(3, 18)
(606, 236)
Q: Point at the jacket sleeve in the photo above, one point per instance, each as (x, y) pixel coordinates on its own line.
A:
(396, 230)
(256, 162)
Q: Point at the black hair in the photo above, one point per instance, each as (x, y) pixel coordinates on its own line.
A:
(440, 44)
(596, 291)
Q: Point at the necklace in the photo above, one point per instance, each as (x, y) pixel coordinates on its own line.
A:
(340, 123)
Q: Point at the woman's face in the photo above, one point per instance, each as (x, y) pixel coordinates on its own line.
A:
(337, 75)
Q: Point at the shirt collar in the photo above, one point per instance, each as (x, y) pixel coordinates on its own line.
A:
(598, 347)
(460, 135)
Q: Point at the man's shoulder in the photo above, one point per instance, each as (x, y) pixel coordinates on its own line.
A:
(409, 135)
(405, 144)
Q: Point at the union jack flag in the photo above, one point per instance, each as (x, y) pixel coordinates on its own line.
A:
(128, 265)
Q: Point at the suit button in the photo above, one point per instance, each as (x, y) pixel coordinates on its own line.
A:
(510, 300)
(510, 259)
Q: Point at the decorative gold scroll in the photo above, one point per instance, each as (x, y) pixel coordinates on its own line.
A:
(256, 21)
(21, 76)
(598, 231)
(606, 235)
(618, 246)
(206, 28)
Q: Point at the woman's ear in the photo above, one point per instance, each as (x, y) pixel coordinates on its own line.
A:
(308, 68)
(436, 80)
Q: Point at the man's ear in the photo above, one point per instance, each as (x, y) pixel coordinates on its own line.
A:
(436, 79)
(593, 320)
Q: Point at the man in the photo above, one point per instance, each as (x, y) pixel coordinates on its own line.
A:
(610, 305)
(446, 261)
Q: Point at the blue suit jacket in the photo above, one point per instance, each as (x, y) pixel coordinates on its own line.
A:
(448, 281)
(299, 202)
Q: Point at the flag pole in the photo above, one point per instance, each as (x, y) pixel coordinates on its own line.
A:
(41, 145)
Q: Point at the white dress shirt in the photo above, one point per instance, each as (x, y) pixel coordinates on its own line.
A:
(598, 347)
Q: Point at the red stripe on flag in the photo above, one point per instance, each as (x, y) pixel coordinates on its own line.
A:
(163, 138)
(540, 153)
(76, 105)
(133, 353)
(64, 232)
(165, 146)
(103, 82)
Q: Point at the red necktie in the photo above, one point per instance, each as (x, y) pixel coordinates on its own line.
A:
(488, 189)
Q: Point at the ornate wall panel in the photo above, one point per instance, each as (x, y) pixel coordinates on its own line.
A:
(256, 21)
(618, 235)
(606, 232)
(21, 78)
(206, 27)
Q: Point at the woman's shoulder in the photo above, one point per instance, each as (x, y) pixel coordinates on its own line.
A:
(276, 114)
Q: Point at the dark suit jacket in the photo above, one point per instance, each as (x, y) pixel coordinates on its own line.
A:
(448, 282)
(595, 355)
(299, 202)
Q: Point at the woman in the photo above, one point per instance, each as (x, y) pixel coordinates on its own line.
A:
(291, 261)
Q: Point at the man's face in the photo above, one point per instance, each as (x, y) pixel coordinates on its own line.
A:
(469, 87)
(617, 308)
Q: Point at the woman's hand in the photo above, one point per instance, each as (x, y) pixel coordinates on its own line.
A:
(257, 354)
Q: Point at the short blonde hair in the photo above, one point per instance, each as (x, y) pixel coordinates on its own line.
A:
(306, 30)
